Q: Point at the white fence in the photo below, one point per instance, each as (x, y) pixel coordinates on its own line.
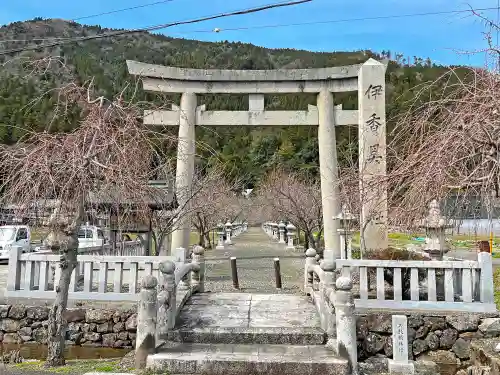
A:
(127, 248)
(419, 285)
(97, 277)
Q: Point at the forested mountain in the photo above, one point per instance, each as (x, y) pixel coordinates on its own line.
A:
(250, 151)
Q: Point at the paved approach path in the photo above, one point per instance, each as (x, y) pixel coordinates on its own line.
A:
(254, 252)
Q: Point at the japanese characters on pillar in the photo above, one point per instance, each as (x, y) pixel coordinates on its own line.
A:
(372, 155)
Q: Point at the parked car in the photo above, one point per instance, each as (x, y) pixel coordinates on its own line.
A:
(14, 235)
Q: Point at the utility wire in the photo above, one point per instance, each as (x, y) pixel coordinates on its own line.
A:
(159, 27)
(374, 18)
(218, 30)
(122, 10)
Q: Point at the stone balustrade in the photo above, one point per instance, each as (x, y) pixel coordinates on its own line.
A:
(334, 302)
(177, 283)
(462, 286)
(467, 287)
(101, 278)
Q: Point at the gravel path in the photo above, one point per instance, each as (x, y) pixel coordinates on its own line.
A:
(254, 251)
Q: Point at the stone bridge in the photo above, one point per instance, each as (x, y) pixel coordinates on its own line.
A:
(257, 330)
(197, 323)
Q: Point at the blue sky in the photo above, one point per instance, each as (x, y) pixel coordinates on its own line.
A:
(439, 37)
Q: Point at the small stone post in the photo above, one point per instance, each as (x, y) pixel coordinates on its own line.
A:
(245, 226)
(291, 230)
(167, 299)
(229, 228)
(346, 323)
(198, 276)
(308, 276)
(281, 229)
(145, 342)
(220, 233)
(328, 315)
(399, 363)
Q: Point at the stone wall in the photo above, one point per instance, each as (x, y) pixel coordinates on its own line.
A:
(442, 339)
(86, 326)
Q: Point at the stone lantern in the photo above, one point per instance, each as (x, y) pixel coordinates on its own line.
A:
(347, 222)
(435, 226)
(229, 228)
(274, 227)
(291, 231)
(281, 229)
(220, 235)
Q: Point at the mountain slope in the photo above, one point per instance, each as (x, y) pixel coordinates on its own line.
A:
(249, 151)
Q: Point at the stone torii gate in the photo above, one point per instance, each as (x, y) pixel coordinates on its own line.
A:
(368, 79)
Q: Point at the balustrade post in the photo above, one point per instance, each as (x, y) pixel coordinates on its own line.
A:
(145, 342)
(308, 276)
(346, 323)
(167, 299)
(14, 268)
(327, 287)
(198, 276)
(486, 287)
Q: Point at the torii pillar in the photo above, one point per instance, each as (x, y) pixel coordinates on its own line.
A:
(186, 149)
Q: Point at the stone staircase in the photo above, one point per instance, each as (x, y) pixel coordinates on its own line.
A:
(238, 333)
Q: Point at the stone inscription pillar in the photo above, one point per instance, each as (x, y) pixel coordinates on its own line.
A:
(372, 155)
(329, 174)
(185, 169)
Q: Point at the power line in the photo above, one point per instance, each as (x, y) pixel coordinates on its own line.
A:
(121, 10)
(159, 27)
(345, 20)
(218, 30)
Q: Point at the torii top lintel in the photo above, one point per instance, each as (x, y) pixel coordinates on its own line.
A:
(178, 80)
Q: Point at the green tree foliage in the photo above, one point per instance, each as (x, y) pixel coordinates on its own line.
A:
(26, 103)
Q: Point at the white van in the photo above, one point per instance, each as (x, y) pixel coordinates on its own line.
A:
(20, 235)
(90, 236)
(14, 235)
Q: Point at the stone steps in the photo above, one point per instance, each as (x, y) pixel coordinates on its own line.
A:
(250, 335)
(237, 359)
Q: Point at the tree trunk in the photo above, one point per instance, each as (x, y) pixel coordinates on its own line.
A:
(57, 324)
(207, 244)
(306, 240)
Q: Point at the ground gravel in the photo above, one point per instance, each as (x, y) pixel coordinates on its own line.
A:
(256, 275)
